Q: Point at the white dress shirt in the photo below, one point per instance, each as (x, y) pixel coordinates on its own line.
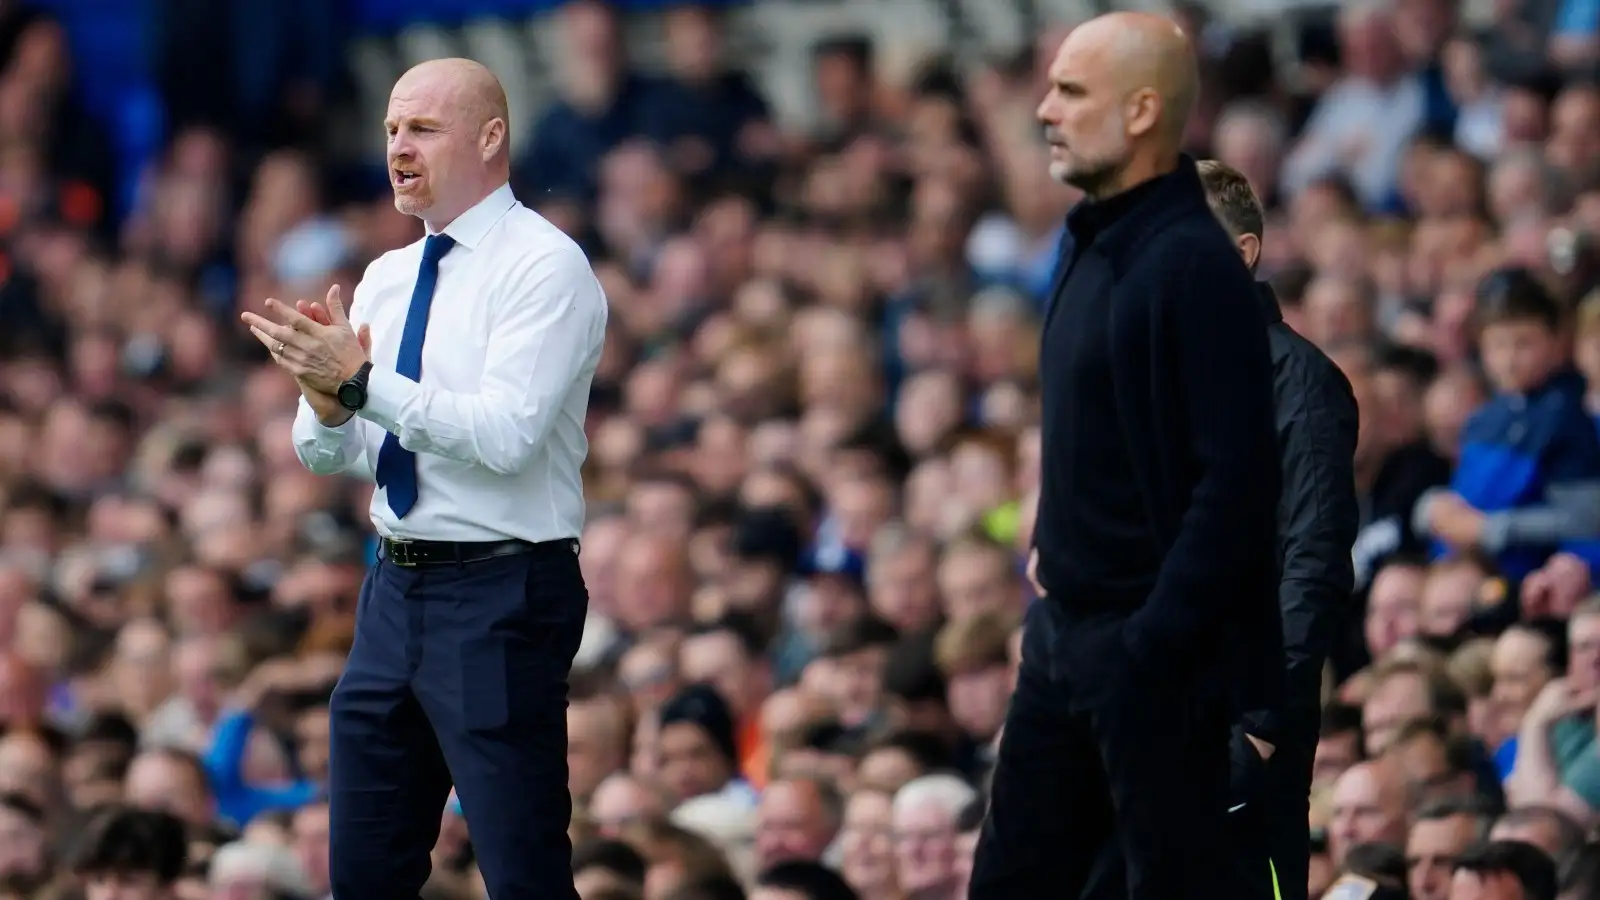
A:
(514, 337)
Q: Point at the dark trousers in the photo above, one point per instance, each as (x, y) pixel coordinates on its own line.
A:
(1102, 749)
(458, 675)
(1282, 822)
(1268, 828)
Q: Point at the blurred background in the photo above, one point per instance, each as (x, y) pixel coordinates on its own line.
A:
(825, 230)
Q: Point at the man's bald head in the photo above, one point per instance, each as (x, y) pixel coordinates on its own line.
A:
(449, 142)
(470, 83)
(1123, 87)
(1371, 801)
(1152, 53)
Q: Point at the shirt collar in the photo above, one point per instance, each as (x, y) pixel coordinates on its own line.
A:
(470, 227)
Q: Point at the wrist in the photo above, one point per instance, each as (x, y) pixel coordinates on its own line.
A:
(351, 367)
(335, 418)
(352, 393)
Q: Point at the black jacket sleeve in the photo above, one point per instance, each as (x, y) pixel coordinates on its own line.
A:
(1318, 519)
(1223, 546)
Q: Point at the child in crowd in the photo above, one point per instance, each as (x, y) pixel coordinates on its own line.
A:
(1528, 482)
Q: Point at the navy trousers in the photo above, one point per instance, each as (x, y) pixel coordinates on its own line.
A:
(458, 676)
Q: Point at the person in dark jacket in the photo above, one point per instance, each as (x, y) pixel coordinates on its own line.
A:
(1393, 468)
(1155, 542)
(1317, 521)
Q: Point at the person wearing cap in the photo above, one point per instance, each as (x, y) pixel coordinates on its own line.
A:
(835, 591)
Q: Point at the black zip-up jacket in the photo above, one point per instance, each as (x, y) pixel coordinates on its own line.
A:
(1160, 477)
(1316, 417)
(1317, 521)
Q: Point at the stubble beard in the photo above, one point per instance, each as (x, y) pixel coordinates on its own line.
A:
(1097, 180)
(412, 204)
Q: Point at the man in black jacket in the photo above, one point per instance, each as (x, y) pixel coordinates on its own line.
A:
(1317, 522)
(1155, 543)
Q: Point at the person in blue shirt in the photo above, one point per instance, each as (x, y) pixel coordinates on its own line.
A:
(1528, 481)
(274, 689)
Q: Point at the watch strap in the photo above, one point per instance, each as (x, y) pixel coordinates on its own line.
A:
(355, 385)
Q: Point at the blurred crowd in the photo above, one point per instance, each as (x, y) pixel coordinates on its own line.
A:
(812, 469)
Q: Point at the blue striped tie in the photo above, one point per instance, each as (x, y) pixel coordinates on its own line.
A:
(397, 466)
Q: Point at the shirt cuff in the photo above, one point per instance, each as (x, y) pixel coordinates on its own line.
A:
(387, 393)
(332, 434)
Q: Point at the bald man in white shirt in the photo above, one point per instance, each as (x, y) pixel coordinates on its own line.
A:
(470, 420)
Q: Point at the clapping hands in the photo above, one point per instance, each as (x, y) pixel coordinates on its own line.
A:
(313, 345)
(316, 342)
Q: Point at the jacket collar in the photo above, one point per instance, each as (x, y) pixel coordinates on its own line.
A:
(1117, 223)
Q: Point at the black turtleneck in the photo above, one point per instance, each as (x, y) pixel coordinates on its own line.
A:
(1159, 483)
(1104, 538)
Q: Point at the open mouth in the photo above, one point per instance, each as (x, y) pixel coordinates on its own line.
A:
(402, 177)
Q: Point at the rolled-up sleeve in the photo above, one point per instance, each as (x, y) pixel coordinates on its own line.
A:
(546, 321)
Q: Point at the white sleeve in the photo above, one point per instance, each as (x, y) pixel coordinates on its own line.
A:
(547, 322)
(329, 451)
(342, 449)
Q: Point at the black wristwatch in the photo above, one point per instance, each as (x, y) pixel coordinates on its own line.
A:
(353, 393)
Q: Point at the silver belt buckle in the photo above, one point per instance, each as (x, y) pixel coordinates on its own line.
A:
(399, 554)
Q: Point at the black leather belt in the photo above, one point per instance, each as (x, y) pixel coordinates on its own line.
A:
(411, 554)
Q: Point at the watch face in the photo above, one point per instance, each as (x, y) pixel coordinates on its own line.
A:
(351, 396)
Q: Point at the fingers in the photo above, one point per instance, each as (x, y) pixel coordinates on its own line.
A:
(272, 344)
(269, 332)
(314, 311)
(335, 304)
(267, 341)
(291, 317)
(364, 336)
